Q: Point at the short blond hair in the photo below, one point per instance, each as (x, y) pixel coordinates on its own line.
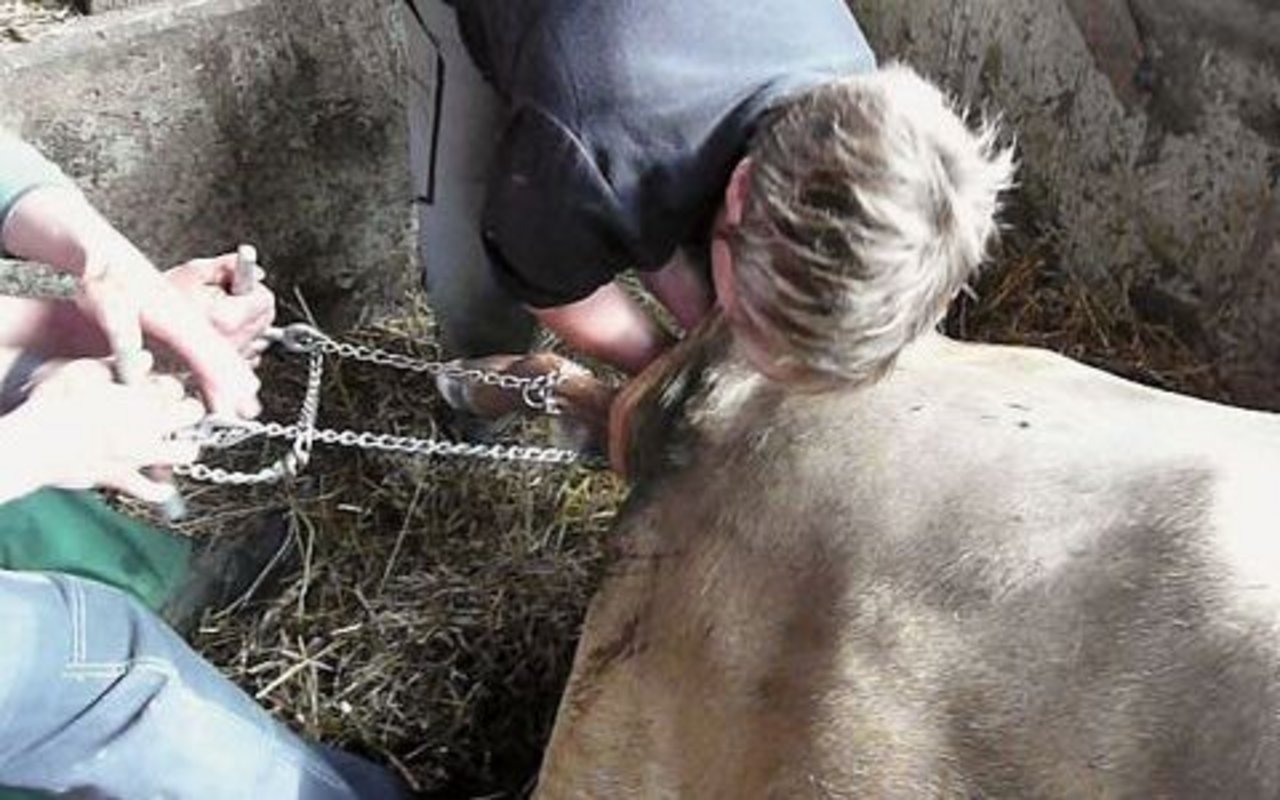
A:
(870, 204)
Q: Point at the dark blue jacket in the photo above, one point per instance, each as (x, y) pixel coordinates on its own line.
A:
(627, 118)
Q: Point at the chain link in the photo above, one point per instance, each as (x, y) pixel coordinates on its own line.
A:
(537, 392)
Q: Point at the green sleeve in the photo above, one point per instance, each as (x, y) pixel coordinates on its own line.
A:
(22, 169)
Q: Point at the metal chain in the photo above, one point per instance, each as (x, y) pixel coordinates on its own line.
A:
(366, 440)
(538, 393)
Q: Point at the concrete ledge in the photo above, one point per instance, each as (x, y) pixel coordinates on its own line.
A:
(102, 6)
(198, 124)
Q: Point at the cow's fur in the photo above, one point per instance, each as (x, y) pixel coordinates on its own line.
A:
(995, 573)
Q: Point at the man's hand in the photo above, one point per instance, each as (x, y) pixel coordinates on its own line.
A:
(124, 293)
(114, 269)
(206, 283)
(607, 325)
(83, 429)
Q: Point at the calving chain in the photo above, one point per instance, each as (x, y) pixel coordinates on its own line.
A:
(538, 393)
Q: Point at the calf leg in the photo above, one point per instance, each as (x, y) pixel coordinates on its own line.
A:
(578, 401)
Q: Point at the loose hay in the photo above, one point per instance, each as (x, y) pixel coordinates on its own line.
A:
(1027, 297)
(432, 619)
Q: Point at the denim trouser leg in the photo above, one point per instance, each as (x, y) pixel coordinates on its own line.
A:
(78, 534)
(97, 694)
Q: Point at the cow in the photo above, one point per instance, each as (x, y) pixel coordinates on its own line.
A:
(994, 572)
(861, 559)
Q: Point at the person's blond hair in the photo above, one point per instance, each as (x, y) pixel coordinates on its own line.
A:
(870, 203)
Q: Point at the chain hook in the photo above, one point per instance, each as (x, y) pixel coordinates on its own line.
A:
(218, 431)
(540, 394)
(297, 337)
(303, 338)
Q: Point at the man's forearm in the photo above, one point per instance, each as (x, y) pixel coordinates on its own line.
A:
(23, 171)
(54, 225)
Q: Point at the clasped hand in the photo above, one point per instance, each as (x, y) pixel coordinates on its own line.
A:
(103, 433)
(189, 310)
(97, 432)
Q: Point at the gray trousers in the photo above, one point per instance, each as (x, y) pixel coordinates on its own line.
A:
(456, 119)
(99, 699)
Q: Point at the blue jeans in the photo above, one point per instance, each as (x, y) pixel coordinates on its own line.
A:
(98, 695)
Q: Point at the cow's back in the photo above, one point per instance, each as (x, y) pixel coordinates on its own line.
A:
(995, 573)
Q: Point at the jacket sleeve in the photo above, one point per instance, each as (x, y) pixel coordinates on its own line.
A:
(22, 169)
(550, 222)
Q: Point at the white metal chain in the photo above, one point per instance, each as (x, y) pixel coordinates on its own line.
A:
(537, 392)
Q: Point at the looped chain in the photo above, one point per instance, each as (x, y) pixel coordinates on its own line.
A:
(538, 393)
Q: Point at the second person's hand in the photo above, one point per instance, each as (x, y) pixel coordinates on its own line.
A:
(86, 430)
(125, 295)
(206, 283)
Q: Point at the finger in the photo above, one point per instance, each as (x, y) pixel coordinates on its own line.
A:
(167, 389)
(52, 366)
(167, 418)
(228, 384)
(110, 305)
(225, 271)
(266, 316)
(81, 377)
(138, 485)
(252, 353)
(170, 453)
(258, 325)
(118, 315)
(131, 367)
(215, 271)
(250, 409)
(183, 414)
(255, 347)
(87, 372)
(242, 318)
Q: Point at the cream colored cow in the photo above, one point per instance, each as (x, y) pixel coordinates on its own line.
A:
(995, 573)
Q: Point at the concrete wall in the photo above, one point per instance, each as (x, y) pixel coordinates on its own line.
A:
(1150, 132)
(198, 124)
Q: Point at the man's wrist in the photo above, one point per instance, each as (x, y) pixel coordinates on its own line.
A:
(56, 225)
